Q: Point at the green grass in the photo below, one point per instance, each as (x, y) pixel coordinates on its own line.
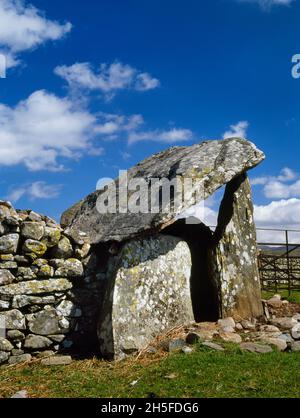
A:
(294, 297)
(204, 373)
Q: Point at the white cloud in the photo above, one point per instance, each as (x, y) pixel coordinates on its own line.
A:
(238, 130)
(23, 27)
(168, 136)
(268, 4)
(36, 190)
(281, 186)
(42, 129)
(281, 214)
(109, 79)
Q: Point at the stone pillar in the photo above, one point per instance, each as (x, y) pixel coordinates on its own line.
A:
(236, 253)
(148, 293)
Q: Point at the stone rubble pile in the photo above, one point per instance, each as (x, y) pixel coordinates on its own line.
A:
(42, 307)
(281, 333)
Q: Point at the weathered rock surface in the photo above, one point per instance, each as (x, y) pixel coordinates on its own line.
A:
(148, 293)
(37, 342)
(255, 347)
(236, 253)
(210, 164)
(35, 287)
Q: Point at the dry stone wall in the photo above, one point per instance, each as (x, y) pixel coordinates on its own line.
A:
(48, 289)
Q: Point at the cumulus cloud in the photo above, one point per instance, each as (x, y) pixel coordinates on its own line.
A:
(43, 130)
(23, 27)
(268, 4)
(40, 130)
(285, 185)
(36, 190)
(238, 130)
(108, 79)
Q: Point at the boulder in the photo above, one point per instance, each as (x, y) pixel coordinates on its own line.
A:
(148, 293)
(23, 358)
(213, 346)
(4, 356)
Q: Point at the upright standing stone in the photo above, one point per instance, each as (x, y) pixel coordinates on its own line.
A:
(148, 293)
(236, 253)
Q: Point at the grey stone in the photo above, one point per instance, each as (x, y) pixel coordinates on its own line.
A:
(283, 323)
(234, 260)
(279, 343)
(23, 358)
(33, 230)
(176, 345)
(187, 350)
(9, 265)
(57, 361)
(71, 268)
(63, 249)
(46, 353)
(37, 342)
(248, 325)
(46, 271)
(25, 273)
(67, 308)
(213, 346)
(286, 337)
(34, 287)
(4, 356)
(137, 304)
(295, 331)
(35, 247)
(17, 352)
(51, 236)
(295, 346)
(255, 347)
(20, 301)
(297, 317)
(22, 394)
(9, 243)
(14, 320)
(230, 337)
(210, 164)
(5, 345)
(226, 322)
(6, 277)
(4, 304)
(46, 322)
(269, 328)
(57, 338)
(15, 335)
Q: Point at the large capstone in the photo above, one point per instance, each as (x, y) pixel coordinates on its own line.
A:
(209, 165)
(148, 293)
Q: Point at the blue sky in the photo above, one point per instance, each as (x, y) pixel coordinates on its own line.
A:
(94, 86)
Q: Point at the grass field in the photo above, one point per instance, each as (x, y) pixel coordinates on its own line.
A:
(204, 373)
(294, 297)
